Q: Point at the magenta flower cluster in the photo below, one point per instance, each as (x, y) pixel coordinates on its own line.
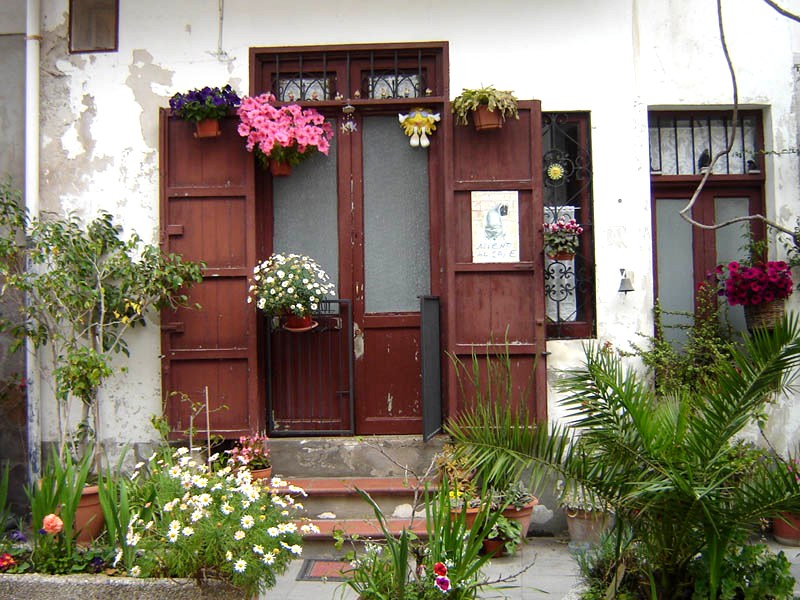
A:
(757, 284)
(286, 134)
(562, 236)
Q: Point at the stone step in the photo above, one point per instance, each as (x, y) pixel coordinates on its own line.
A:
(365, 528)
(337, 497)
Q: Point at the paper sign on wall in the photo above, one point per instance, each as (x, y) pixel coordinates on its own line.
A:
(495, 227)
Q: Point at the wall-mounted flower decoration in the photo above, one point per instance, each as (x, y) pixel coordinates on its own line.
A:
(418, 124)
(555, 171)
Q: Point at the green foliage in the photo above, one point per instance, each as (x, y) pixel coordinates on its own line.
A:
(86, 287)
(750, 572)
(453, 552)
(57, 493)
(5, 506)
(508, 531)
(671, 467)
(470, 99)
(693, 367)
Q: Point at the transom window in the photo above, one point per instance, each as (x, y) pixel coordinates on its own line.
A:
(93, 25)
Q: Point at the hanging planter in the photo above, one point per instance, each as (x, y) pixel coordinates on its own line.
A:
(299, 324)
(204, 107)
(280, 169)
(764, 315)
(488, 106)
(207, 128)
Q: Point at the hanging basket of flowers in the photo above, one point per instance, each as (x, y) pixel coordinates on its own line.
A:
(290, 286)
(760, 288)
(561, 238)
(282, 136)
(204, 107)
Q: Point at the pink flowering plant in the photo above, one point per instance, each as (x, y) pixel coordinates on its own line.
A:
(561, 237)
(286, 134)
(762, 282)
(251, 451)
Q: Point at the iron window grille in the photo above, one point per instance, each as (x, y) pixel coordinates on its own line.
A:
(567, 177)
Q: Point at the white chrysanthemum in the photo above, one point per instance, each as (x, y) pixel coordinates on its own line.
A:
(229, 556)
(296, 489)
(287, 527)
(135, 571)
(238, 535)
(181, 451)
(247, 521)
(278, 501)
(184, 460)
(203, 500)
(197, 515)
(273, 532)
(132, 539)
(199, 482)
(258, 549)
(169, 506)
(268, 559)
(175, 526)
(172, 536)
(226, 509)
(240, 565)
(175, 471)
(188, 531)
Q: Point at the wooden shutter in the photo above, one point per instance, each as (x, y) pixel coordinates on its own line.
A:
(485, 302)
(208, 214)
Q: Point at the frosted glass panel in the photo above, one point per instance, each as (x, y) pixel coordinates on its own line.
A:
(675, 267)
(305, 212)
(396, 247)
(730, 241)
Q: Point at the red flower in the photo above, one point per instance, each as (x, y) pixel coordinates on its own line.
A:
(440, 569)
(6, 561)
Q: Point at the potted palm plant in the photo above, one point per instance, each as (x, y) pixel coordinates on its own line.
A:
(488, 106)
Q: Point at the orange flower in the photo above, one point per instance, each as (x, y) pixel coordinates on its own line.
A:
(52, 524)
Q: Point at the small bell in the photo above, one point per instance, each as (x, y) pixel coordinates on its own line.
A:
(625, 284)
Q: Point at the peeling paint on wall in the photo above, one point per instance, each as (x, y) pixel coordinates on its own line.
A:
(142, 74)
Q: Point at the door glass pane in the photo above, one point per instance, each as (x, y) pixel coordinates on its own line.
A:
(730, 242)
(396, 248)
(305, 212)
(675, 267)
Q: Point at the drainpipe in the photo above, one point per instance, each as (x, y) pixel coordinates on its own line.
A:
(33, 39)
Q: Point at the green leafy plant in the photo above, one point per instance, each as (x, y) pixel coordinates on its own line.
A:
(495, 100)
(86, 288)
(507, 531)
(672, 467)
(204, 103)
(406, 568)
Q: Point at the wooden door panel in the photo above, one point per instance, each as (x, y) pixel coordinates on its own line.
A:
(490, 305)
(486, 300)
(393, 400)
(222, 321)
(226, 381)
(207, 162)
(210, 229)
(208, 214)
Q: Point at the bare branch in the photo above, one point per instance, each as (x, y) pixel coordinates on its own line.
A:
(686, 212)
(783, 11)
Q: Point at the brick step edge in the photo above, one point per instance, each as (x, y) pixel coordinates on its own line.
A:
(365, 528)
(346, 486)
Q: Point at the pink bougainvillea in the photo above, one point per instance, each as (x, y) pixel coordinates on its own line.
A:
(757, 284)
(287, 134)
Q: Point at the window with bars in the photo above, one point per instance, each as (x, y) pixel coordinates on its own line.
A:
(681, 145)
(567, 177)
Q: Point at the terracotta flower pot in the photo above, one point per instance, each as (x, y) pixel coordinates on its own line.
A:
(521, 515)
(485, 119)
(561, 256)
(280, 169)
(89, 520)
(261, 473)
(787, 532)
(586, 526)
(207, 128)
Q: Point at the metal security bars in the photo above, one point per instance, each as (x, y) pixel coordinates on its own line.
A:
(567, 177)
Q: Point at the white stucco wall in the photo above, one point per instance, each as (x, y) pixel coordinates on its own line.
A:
(614, 58)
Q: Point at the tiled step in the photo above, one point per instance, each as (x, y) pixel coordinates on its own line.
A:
(365, 528)
(337, 496)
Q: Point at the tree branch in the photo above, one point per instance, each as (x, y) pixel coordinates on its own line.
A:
(783, 11)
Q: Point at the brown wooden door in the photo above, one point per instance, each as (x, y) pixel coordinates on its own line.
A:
(208, 214)
(490, 302)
